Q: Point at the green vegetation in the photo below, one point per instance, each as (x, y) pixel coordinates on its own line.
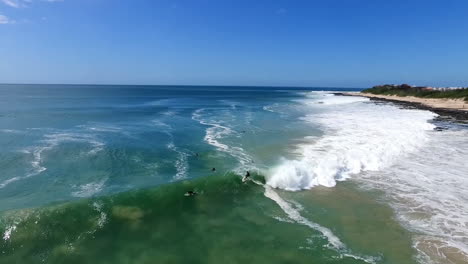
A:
(407, 90)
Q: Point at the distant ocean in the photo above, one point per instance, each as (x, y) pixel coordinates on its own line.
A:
(98, 174)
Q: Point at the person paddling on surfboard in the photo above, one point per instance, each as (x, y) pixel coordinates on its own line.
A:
(246, 177)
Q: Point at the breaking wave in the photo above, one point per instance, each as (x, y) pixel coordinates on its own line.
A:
(362, 137)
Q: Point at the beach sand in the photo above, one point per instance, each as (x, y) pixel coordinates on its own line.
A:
(455, 104)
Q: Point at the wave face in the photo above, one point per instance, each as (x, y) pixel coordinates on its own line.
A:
(359, 137)
(157, 224)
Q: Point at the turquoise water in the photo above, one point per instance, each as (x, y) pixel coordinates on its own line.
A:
(97, 174)
(65, 142)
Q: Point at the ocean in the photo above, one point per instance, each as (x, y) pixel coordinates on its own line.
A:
(99, 174)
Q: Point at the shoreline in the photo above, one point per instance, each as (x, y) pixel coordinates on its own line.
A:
(447, 109)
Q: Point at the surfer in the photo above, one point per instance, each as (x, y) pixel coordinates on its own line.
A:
(213, 169)
(190, 193)
(246, 177)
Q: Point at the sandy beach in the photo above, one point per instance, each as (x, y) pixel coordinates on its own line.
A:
(454, 104)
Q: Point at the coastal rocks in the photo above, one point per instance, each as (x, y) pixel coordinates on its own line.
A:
(452, 115)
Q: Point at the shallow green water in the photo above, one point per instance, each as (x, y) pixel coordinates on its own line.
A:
(228, 222)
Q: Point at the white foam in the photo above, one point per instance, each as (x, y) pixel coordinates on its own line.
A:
(50, 141)
(8, 181)
(36, 167)
(327, 98)
(181, 163)
(428, 192)
(423, 172)
(270, 108)
(102, 216)
(359, 137)
(89, 189)
(102, 128)
(294, 214)
(8, 231)
(53, 140)
(11, 131)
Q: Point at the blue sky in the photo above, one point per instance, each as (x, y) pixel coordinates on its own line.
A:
(334, 43)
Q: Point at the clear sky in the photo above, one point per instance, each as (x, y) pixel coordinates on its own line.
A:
(335, 43)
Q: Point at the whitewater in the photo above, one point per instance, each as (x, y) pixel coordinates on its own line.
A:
(423, 172)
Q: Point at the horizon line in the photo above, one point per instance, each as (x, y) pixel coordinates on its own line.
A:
(193, 85)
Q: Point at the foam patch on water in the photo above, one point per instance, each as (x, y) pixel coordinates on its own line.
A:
(358, 137)
(97, 127)
(8, 231)
(89, 189)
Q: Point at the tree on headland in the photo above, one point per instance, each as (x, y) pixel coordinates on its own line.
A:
(419, 91)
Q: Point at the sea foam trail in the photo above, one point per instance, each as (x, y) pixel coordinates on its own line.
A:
(294, 215)
(292, 210)
(359, 136)
(49, 142)
(181, 164)
(217, 131)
